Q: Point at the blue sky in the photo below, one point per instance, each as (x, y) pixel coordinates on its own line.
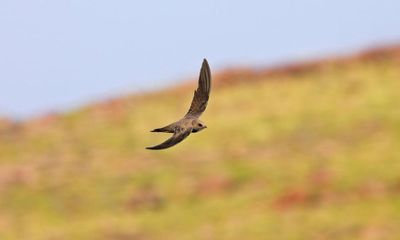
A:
(59, 54)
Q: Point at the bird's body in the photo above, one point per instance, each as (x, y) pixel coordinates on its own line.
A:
(195, 124)
(190, 123)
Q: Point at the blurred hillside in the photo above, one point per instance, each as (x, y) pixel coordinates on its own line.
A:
(301, 151)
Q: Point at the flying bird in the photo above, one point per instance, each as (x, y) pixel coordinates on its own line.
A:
(190, 123)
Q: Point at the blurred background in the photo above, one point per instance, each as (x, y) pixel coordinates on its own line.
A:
(303, 122)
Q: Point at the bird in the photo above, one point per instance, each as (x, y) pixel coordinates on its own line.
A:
(190, 123)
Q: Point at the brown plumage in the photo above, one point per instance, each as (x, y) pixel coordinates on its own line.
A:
(190, 122)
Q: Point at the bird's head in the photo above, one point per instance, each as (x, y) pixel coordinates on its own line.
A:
(198, 125)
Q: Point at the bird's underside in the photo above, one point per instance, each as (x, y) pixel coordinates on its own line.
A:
(190, 122)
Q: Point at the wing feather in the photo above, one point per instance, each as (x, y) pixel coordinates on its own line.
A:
(202, 94)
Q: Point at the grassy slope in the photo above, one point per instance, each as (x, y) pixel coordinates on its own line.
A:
(313, 155)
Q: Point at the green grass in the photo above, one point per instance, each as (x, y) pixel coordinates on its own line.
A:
(310, 156)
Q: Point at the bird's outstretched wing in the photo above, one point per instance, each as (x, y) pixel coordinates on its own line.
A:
(201, 95)
(178, 137)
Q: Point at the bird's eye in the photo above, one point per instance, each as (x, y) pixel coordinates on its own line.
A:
(200, 125)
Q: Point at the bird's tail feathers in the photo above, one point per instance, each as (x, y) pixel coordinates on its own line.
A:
(166, 129)
(157, 130)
